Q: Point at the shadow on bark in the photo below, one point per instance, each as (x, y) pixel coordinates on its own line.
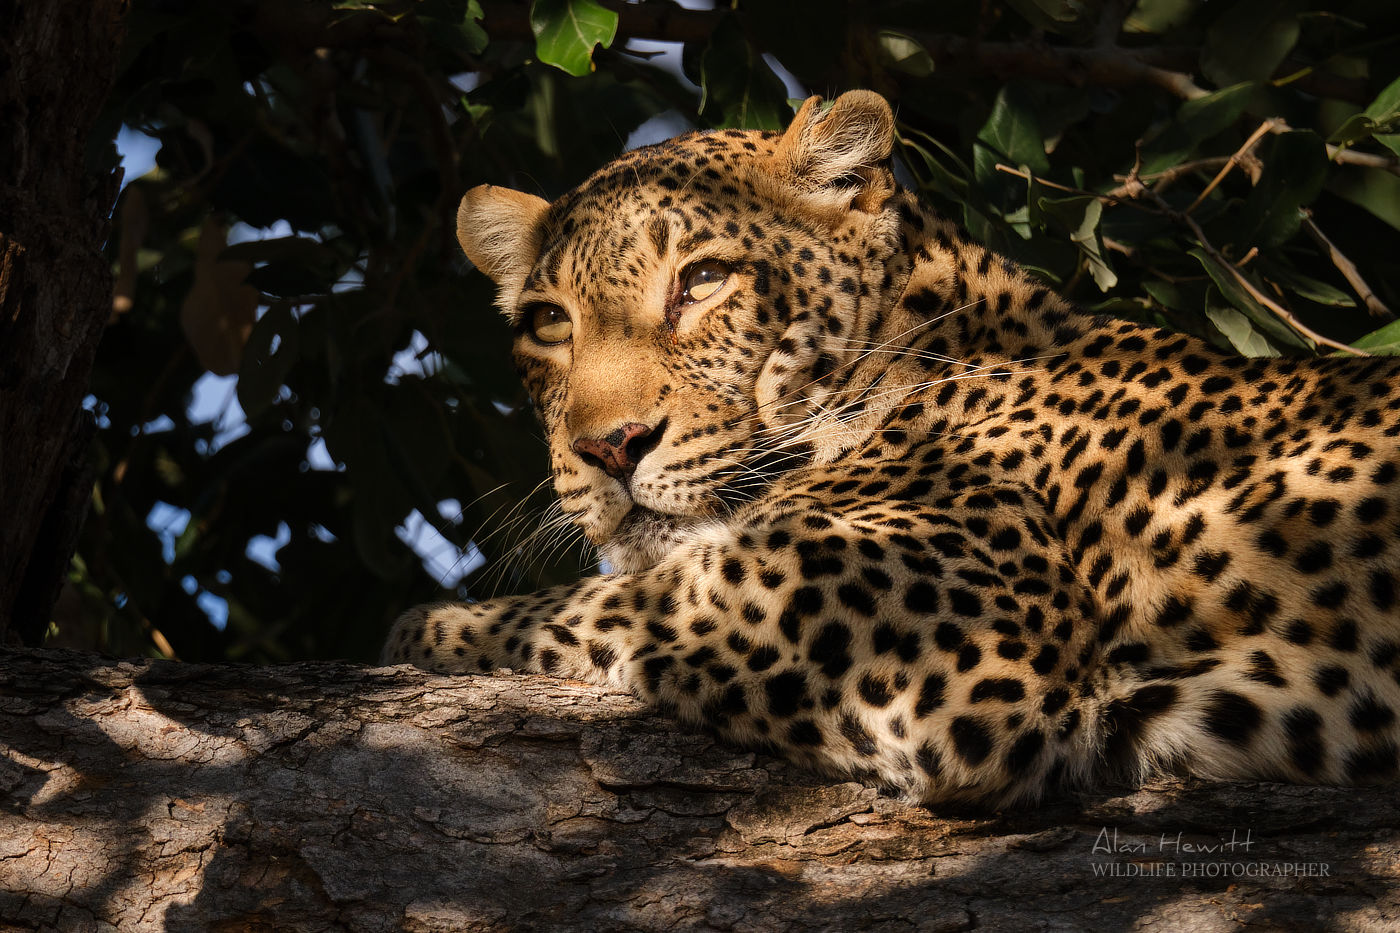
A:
(156, 796)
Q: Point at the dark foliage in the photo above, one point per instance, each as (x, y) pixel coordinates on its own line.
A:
(1225, 168)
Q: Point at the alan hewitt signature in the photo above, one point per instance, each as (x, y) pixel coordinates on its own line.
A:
(1228, 857)
(1109, 842)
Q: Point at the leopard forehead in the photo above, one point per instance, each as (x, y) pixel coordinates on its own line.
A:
(658, 198)
(665, 167)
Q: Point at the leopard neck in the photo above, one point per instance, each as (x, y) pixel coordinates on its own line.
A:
(939, 313)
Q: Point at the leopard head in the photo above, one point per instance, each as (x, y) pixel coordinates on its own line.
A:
(680, 313)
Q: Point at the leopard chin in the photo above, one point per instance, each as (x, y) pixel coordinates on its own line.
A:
(645, 537)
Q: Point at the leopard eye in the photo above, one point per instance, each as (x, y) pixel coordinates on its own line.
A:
(550, 324)
(702, 280)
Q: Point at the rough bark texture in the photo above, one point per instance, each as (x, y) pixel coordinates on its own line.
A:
(153, 795)
(56, 65)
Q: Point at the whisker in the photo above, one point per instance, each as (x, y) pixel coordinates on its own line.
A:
(840, 415)
(820, 422)
(891, 342)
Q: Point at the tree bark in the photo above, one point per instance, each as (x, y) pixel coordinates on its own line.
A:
(57, 61)
(153, 795)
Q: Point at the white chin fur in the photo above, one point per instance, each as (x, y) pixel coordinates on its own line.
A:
(644, 538)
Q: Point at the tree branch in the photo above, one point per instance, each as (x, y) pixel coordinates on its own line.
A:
(1104, 64)
(154, 795)
(1385, 163)
(1240, 154)
(1108, 67)
(1348, 270)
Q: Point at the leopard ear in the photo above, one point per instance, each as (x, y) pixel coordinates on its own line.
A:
(847, 145)
(501, 230)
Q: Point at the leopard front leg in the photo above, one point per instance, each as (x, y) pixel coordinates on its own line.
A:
(894, 650)
(454, 637)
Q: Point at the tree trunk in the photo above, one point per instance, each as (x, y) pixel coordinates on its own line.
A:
(57, 59)
(153, 795)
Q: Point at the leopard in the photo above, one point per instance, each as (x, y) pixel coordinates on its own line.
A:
(876, 500)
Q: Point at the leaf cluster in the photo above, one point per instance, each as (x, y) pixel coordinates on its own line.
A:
(1225, 168)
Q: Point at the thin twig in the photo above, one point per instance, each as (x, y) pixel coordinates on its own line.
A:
(1230, 163)
(1129, 251)
(1348, 156)
(1166, 177)
(1364, 159)
(1110, 24)
(1123, 194)
(1274, 307)
(1348, 270)
(1011, 170)
(1125, 200)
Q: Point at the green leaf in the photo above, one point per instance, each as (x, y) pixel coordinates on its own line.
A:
(455, 26)
(1066, 17)
(267, 180)
(359, 436)
(1386, 340)
(1159, 16)
(1305, 287)
(952, 182)
(1380, 119)
(288, 280)
(994, 185)
(1235, 327)
(1051, 257)
(1262, 318)
(1187, 298)
(812, 53)
(1357, 128)
(1374, 190)
(901, 53)
(737, 88)
(1249, 40)
(289, 266)
(567, 30)
(1013, 130)
(1197, 121)
(268, 357)
(1131, 309)
(1081, 216)
(416, 446)
(1386, 107)
(1295, 169)
(1138, 227)
(1208, 116)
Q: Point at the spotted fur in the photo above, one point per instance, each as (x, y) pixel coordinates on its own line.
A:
(887, 505)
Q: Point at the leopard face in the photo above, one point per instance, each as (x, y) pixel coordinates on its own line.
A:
(673, 347)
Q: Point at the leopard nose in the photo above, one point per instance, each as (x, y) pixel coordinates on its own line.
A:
(619, 452)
